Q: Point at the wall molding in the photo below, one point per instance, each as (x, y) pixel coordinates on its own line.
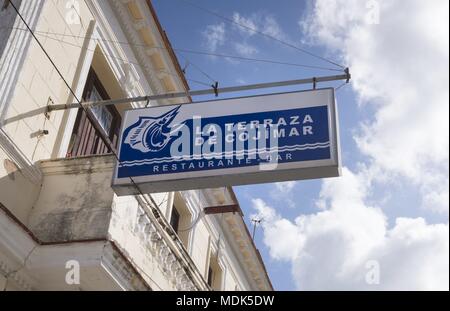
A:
(12, 59)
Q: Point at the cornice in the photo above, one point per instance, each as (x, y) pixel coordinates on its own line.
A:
(249, 255)
(131, 28)
(80, 165)
(116, 263)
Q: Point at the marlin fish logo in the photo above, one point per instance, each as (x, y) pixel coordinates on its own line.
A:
(151, 134)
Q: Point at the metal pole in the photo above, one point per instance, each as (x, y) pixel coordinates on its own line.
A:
(211, 91)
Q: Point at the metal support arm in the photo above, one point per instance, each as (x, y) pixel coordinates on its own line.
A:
(217, 91)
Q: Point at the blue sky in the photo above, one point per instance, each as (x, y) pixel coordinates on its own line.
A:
(392, 189)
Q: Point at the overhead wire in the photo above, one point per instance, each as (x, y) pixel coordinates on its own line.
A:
(258, 60)
(340, 86)
(189, 62)
(83, 107)
(199, 216)
(188, 51)
(45, 34)
(123, 60)
(229, 20)
(72, 92)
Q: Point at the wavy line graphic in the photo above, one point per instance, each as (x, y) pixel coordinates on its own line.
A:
(225, 154)
(230, 153)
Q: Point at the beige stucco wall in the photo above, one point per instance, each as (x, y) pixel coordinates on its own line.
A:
(39, 81)
(124, 232)
(10, 181)
(200, 247)
(84, 207)
(73, 200)
(38, 85)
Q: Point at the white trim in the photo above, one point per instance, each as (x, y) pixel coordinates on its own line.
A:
(120, 58)
(15, 247)
(31, 172)
(85, 62)
(16, 50)
(12, 59)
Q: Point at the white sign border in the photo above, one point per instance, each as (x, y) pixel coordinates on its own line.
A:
(238, 175)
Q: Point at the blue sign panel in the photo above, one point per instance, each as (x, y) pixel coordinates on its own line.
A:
(227, 142)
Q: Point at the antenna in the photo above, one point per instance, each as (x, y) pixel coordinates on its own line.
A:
(256, 222)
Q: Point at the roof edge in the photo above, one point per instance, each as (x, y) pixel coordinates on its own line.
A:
(258, 254)
(169, 48)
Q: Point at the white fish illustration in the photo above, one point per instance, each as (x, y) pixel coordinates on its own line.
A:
(151, 134)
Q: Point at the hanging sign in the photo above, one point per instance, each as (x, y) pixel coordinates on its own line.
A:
(249, 140)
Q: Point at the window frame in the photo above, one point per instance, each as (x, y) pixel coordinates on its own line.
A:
(89, 142)
(175, 214)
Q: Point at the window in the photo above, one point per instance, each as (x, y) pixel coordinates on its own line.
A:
(181, 220)
(210, 276)
(175, 219)
(85, 139)
(214, 273)
(104, 117)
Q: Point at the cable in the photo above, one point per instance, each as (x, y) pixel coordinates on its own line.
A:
(187, 51)
(257, 60)
(340, 86)
(108, 142)
(229, 20)
(123, 60)
(89, 117)
(202, 72)
(153, 207)
(196, 220)
(198, 68)
(193, 224)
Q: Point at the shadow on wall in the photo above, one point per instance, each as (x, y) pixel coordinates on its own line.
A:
(14, 44)
(73, 201)
(17, 193)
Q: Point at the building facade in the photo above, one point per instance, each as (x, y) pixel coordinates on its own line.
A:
(61, 225)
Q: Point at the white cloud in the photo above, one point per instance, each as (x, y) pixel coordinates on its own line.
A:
(261, 22)
(274, 228)
(248, 22)
(283, 193)
(272, 28)
(285, 187)
(329, 250)
(245, 49)
(400, 69)
(214, 36)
